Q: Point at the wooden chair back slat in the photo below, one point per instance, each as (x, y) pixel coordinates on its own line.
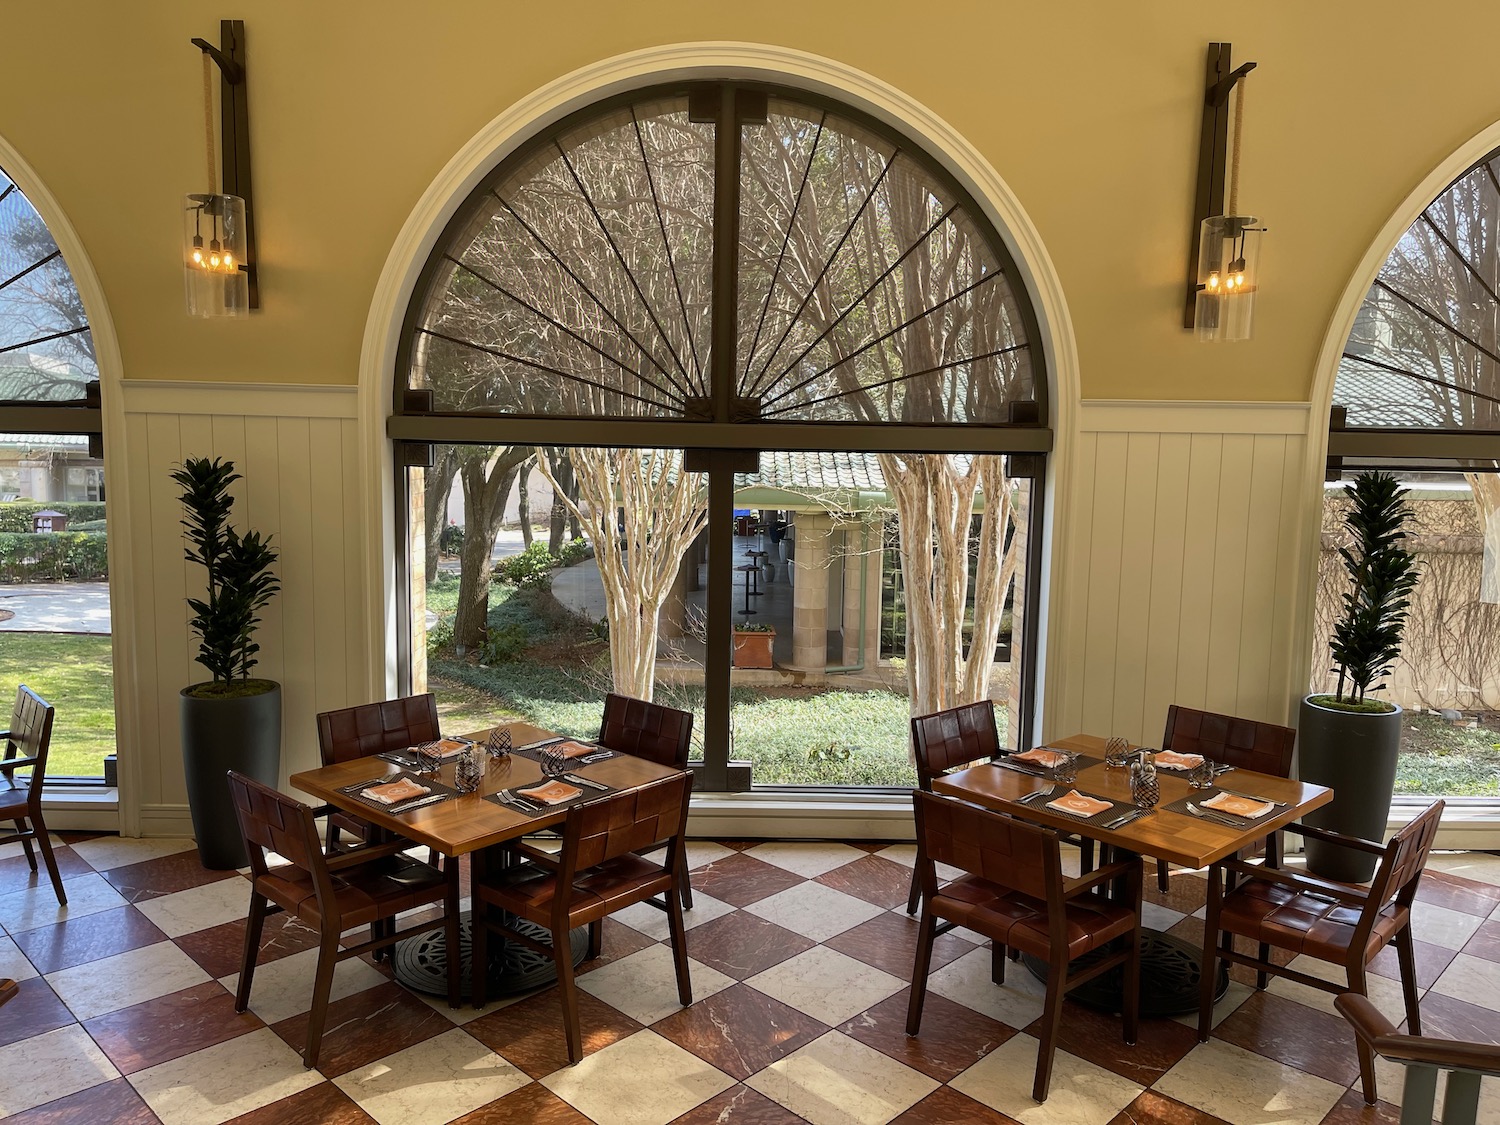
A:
(658, 733)
(632, 821)
(955, 737)
(1010, 853)
(30, 732)
(373, 728)
(1246, 744)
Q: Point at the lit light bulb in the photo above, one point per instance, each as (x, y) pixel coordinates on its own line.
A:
(1213, 281)
(228, 260)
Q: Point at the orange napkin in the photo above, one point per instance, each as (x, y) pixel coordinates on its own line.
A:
(1079, 805)
(1041, 756)
(447, 747)
(551, 792)
(572, 750)
(1238, 806)
(394, 792)
(1170, 759)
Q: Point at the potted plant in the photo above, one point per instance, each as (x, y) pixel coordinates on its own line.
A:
(1348, 741)
(752, 645)
(230, 721)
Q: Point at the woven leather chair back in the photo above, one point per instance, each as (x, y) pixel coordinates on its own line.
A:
(659, 734)
(626, 822)
(954, 737)
(1405, 859)
(30, 732)
(373, 728)
(1243, 743)
(1011, 853)
(274, 821)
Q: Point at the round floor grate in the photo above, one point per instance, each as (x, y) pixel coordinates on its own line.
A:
(1169, 977)
(422, 962)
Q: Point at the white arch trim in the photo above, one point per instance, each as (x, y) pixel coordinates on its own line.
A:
(111, 372)
(676, 62)
(1342, 323)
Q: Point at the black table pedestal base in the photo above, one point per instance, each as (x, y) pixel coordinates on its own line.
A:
(1170, 975)
(421, 962)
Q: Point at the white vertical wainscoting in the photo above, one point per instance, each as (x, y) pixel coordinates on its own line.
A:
(297, 449)
(1182, 583)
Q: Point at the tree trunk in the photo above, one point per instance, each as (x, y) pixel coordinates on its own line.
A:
(523, 502)
(437, 486)
(1486, 489)
(486, 476)
(559, 471)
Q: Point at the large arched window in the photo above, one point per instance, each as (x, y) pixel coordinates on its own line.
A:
(1418, 393)
(52, 490)
(722, 308)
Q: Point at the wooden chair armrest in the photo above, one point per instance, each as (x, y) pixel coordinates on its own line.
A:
(1296, 880)
(1335, 837)
(1373, 1029)
(8, 991)
(1118, 869)
(367, 852)
(6, 733)
(14, 764)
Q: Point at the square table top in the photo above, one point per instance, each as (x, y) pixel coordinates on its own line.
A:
(1177, 837)
(468, 822)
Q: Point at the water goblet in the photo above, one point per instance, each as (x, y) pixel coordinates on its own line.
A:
(1201, 776)
(429, 756)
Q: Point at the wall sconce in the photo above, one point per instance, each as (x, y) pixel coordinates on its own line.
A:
(1224, 259)
(219, 226)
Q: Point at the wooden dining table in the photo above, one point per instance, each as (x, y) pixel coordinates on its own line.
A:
(1169, 967)
(470, 825)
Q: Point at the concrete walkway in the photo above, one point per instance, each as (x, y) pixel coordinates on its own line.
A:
(56, 607)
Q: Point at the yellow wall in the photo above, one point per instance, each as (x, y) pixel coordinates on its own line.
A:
(1089, 110)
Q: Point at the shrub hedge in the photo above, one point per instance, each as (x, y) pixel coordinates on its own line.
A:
(53, 556)
(15, 515)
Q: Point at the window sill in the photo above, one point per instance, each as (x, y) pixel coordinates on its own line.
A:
(81, 808)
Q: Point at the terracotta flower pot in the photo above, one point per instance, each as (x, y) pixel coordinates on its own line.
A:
(753, 649)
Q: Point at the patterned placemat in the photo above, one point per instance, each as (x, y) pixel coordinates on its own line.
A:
(1230, 820)
(438, 792)
(533, 750)
(1004, 762)
(520, 803)
(1099, 820)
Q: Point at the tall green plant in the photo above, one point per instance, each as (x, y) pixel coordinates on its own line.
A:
(1367, 639)
(240, 582)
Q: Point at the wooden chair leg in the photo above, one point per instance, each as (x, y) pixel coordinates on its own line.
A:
(1262, 976)
(1406, 956)
(1131, 1006)
(998, 953)
(1366, 1056)
(596, 939)
(1208, 969)
(24, 830)
(562, 957)
(925, 933)
(678, 934)
(684, 883)
(1057, 978)
(49, 859)
(254, 923)
(916, 893)
(1163, 872)
(451, 937)
(317, 1016)
(479, 960)
(1085, 856)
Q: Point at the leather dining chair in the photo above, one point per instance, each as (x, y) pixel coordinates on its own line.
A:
(1014, 892)
(659, 734)
(26, 745)
(372, 728)
(1343, 924)
(595, 873)
(331, 893)
(949, 740)
(1243, 743)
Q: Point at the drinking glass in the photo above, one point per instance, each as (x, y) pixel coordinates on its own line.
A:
(554, 763)
(1116, 753)
(468, 773)
(1201, 776)
(1066, 769)
(429, 756)
(498, 744)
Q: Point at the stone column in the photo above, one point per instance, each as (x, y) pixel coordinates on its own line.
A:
(810, 593)
(864, 557)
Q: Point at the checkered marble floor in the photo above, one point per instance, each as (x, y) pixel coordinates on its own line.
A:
(801, 958)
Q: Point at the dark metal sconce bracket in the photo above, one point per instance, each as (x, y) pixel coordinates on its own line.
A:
(1213, 157)
(234, 133)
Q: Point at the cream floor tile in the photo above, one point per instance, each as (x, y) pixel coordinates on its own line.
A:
(225, 1080)
(827, 985)
(653, 922)
(136, 975)
(198, 908)
(644, 985)
(13, 962)
(808, 859)
(432, 1082)
(1080, 1094)
(1383, 992)
(1472, 979)
(50, 1066)
(106, 852)
(1159, 917)
(642, 1079)
(1235, 995)
(13, 849)
(1390, 1086)
(836, 1080)
(906, 855)
(699, 853)
(1244, 1088)
(814, 911)
(1479, 866)
(967, 981)
(283, 987)
(37, 906)
(1437, 925)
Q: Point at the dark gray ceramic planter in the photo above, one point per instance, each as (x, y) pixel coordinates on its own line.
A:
(1355, 756)
(219, 735)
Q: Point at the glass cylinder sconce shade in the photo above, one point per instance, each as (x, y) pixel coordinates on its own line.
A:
(214, 256)
(1228, 276)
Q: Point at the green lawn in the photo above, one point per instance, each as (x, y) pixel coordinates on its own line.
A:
(1447, 759)
(74, 674)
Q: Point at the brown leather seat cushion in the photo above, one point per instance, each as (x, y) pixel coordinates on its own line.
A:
(1303, 921)
(1020, 921)
(527, 890)
(374, 890)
